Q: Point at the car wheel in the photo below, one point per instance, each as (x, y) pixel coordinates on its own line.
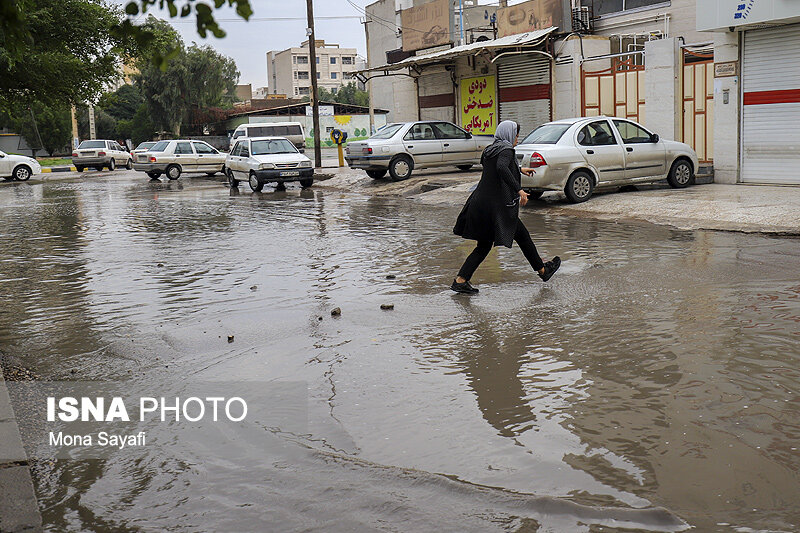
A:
(129, 165)
(307, 183)
(79, 168)
(254, 183)
(154, 175)
(680, 175)
(173, 172)
(112, 164)
(376, 174)
(534, 195)
(22, 173)
(99, 168)
(211, 173)
(579, 187)
(464, 167)
(401, 167)
(233, 182)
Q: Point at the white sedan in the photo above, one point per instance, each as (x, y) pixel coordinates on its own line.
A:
(260, 160)
(18, 167)
(581, 154)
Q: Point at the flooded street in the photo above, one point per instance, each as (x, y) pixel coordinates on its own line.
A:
(652, 385)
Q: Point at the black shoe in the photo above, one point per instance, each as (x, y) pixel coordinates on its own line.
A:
(465, 287)
(550, 268)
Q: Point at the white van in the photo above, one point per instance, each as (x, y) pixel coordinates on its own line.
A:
(290, 130)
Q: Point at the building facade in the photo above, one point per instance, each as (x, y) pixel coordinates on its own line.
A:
(289, 71)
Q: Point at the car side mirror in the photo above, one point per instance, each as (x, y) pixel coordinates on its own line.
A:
(2, 156)
(654, 138)
(469, 135)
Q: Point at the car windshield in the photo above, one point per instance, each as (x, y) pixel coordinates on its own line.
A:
(274, 146)
(159, 146)
(145, 145)
(92, 144)
(387, 132)
(546, 134)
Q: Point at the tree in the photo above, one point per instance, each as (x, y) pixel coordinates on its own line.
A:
(52, 122)
(195, 78)
(346, 94)
(56, 52)
(140, 128)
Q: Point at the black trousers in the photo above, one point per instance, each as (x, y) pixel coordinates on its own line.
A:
(523, 240)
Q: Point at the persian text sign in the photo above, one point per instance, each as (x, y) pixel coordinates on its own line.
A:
(479, 105)
(426, 26)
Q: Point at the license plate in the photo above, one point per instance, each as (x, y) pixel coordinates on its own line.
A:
(290, 173)
(85, 154)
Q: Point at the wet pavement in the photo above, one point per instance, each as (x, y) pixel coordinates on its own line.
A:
(652, 385)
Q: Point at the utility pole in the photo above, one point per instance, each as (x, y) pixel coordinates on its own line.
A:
(369, 80)
(312, 56)
(75, 140)
(92, 131)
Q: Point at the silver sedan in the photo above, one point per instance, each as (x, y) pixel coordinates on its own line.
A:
(400, 148)
(580, 155)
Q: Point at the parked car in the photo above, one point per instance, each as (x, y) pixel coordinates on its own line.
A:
(289, 130)
(18, 167)
(143, 147)
(175, 157)
(402, 147)
(579, 155)
(101, 153)
(267, 159)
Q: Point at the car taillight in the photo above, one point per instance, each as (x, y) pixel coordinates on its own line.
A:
(537, 160)
(366, 150)
(101, 153)
(74, 154)
(152, 159)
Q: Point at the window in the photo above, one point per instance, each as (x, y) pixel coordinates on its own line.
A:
(333, 90)
(333, 60)
(302, 60)
(446, 130)
(303, 75)
(276, 146)
(333, 75)
(294, 59)
(347, 61)
(237, 149)
(596, 134)
(160, 146)
(146, 145)
(546, 134)
(317, 60)
(183, 148)
(387, 132)
(631, 133)
(304, 91)
(295, 74)
(606, 7)
(244, 151)
(238, 133)
(420, 132)
(203, 148)
(92, 144)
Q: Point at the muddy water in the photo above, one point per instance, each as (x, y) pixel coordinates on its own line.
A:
(652, 385)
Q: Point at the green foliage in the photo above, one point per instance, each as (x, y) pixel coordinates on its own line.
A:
(139, 128)
(123, 103)
(346, 94)
(56, 52)
(105, 125)
(53, 123)
(195, 79)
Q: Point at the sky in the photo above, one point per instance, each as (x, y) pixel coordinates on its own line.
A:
(248, 42)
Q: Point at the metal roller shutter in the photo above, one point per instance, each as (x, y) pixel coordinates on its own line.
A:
(436, 97)
(771, 106)
(524, 91)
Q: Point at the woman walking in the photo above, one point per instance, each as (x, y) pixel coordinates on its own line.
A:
(491, 214)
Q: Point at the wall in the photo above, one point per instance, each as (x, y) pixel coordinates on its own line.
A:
(681, 14)
(397, 94)
(280, 73)
(663, 95)
(567, 87)
(726, 116)
(356, 126)
(11, 143)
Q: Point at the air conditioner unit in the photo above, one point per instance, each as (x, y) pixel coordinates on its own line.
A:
(582, 19)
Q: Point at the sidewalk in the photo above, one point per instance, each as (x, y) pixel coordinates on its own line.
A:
(740, 208)
(19, 510)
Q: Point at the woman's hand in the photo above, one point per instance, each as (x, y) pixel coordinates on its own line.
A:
(527, 171)
(523, 197)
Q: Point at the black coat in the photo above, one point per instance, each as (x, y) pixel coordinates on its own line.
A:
(492, 210)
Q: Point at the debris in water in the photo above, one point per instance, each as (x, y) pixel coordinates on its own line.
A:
(254, 288)
(230, 338)
(336, 311)
(160, 265)
(319, 318)
(387, 307)
(390, 276)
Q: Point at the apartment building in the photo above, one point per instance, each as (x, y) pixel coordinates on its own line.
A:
(289, 71)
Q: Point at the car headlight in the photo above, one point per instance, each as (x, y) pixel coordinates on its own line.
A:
(265, 166)
(305, 164)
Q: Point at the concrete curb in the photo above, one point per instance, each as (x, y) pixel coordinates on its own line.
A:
(19, 509)
(47, 170)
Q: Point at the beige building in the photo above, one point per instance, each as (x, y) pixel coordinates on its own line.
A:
(289, 71)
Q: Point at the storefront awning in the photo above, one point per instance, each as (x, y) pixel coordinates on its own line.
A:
(526, 39)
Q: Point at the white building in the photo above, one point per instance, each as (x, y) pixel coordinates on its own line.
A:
(289, 71)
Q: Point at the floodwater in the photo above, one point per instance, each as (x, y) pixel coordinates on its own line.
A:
(652, 385)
